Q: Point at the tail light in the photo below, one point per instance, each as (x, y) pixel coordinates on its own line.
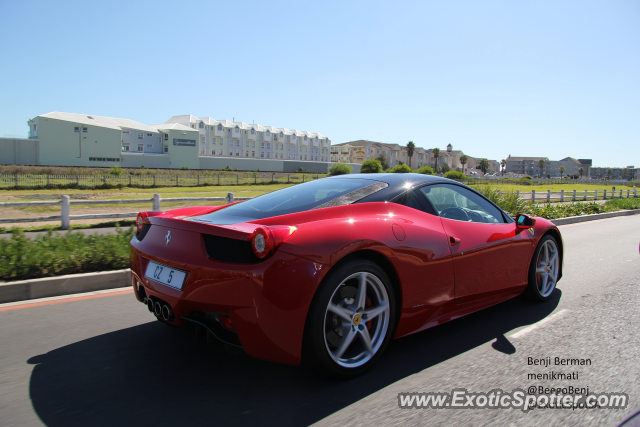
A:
(140, 220)
(264, 240)
(143, 218)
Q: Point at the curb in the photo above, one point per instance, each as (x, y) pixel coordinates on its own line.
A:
(584, 218)
(63, 285)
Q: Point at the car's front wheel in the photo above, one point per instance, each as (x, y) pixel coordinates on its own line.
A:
(352, 319)
(544, 270)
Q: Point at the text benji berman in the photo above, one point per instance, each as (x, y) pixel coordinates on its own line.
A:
(557, 361)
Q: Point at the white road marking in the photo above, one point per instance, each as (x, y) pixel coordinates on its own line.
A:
(530, 328)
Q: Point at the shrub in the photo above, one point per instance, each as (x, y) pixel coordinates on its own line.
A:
(142, 167)
(339, 169)
(425, 170)
(455, 175)
(116, 170)
(401, 168)
(299, 169)
(53, 255)
(371, 166)
(508, 201)
(184, 167)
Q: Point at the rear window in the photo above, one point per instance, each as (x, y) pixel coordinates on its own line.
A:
(318, 194)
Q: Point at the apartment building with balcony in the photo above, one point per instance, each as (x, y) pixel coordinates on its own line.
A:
(70, 139)
(223, 138)
(530, 166)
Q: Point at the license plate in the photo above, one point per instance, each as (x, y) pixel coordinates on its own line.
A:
(168, 276)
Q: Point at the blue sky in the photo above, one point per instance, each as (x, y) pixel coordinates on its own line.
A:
(492, 78)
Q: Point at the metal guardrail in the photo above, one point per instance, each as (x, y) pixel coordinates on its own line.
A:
(66, 203)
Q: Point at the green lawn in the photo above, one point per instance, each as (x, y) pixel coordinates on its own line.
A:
(556, 187)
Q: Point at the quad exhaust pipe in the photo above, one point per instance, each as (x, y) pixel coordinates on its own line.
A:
(160, 309)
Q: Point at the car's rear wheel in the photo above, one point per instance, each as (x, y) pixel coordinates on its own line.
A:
(352, 319)
(544, 270)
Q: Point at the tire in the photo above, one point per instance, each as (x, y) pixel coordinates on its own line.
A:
(339, 338)
(543, 270)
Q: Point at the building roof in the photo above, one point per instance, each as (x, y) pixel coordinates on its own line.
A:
(99, 121)
(183, 118)
(520, 159)
(173, 126)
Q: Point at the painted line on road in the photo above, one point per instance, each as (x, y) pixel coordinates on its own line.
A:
(65, 298)
(530, 328)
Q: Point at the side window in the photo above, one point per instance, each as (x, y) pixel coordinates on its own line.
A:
(454, 202)
(416, 201)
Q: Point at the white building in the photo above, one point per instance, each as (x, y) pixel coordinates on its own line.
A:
(223, 138)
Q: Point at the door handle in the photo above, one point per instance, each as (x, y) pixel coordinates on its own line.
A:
(454, 240)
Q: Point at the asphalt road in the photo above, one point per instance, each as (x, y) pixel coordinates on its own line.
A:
(105, 361)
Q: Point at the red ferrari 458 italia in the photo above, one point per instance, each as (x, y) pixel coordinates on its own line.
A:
(333, 269)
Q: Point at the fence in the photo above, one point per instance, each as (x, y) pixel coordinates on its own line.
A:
(574, 196)
(536, 197)
(65, 217)
(539, 181)
(177, 180)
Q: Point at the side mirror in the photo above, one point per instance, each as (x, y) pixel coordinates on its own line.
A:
(524, 221)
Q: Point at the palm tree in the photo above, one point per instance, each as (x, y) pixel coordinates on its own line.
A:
(410, 149)
(581, 171)
(561, 171)
(436, 154)
(484, 165)
(463, 161)
(541, 165)
(503, 164)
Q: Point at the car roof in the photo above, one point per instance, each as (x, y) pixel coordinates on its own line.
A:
(394, 179)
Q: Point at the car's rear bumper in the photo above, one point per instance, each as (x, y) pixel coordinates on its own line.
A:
(267, 302)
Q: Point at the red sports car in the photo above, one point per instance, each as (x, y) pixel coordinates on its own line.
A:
(333, 269)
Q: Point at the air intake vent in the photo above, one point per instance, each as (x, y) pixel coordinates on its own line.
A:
(229, 250)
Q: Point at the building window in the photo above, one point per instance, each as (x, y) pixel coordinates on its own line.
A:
(262, 145)
(84, 130)
(246, 154)
(125, 147)
(268, 155)
(262, 154)
(158, 140)
(149, 145)
(253, 144)
(149, 134)
(140, 147)
(166, 136)
(140, 134)
(231, 153)
(253, 154)
(201, 126)
(76, 129)
(268, 145)
(220, 152)
(166, 149)
(268, 133)
(305, 137)
(237, 143)
(124, 131)
(236, 130)
(246, 144)
(305, 157)
(219, 127)
(253, 131)
(202, 151)
(193, 126)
